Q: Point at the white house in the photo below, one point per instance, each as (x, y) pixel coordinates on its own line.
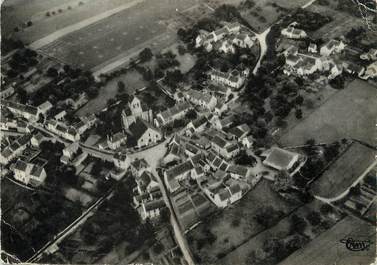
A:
(293, 33)
(116, 140)
(44, 107)
(248, 141)
(332, 46)
(121, 160)
(14, 150)
(371, 71)
(29, 173)
(152, 209)
(371, 55)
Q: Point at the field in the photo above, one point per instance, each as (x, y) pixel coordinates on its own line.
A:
(327, 248)
(341, 24)
(109, 37)
(132, 80)
(228, 235)
(282, 231)
(20, 11)
(350, 113)
(264, 14)
(344, 171)
(32, 218)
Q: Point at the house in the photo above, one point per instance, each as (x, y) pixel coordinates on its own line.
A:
(14, 150)
(178, 173)
(6, 92)
(224, 148)
(292, 60)
(234, 78)
(121, 160)
(312, 48)
(219, 91)
(293, 33)
(226, 46)
(224, 196)
(28, 112)
(85, 124)
(136, 109)
(116, 140)
(152, 209)
(78, 101)
(248, 141)
(44, 107)
(371, 71)
(237, 171)
(69, 152)
(371, 55)
(60, 116)
(144, 134)
(201, 99)
(335, 70)
(146, 182)
(240, 131)
(64, 131)
(198, 125)
(223, 123)
(220, 108)
(353, 69)
(332, 46)
(138, 166)
(281, 159)
(174, 113)
(291, 50)
(36, 139)
(243, 40)
(29, 173)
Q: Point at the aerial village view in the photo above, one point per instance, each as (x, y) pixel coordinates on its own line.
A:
(188, 132)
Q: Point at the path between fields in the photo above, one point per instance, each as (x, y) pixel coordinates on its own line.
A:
(344, 193)
(82, 24)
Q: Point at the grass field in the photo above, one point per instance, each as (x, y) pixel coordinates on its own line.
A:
(281, 231)
(328, 250)
(350, 113)
(21, 11)
(109, 37)
(340, 25)
(344, 171)
(271, 14)
(229, 236)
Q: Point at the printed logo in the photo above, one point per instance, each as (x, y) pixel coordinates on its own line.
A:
(355, 244)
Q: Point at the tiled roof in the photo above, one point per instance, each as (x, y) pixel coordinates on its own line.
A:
(179, 169)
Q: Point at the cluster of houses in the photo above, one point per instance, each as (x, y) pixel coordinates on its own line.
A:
(305, 64)
(226, 39)
(147, 197)
(324, 59)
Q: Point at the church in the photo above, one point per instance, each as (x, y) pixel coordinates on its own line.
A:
(135, 109)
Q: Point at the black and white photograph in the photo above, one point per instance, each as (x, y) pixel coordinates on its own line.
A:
(188, 132)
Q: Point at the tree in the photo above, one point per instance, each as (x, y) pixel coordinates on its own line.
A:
(158, 248)
(310, 142)
(326, 209)
(145, 55)
(191, 115)
(314, 218)
(298, 224)
(299, 100)
(267, 216)
(29, 23)
(355, 190)
(298, 113)
(181, 49)
(52, 72)
(283, 181)
(121, 86)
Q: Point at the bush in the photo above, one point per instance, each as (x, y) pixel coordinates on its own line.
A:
(298, 224)
(314, 218)
(145, 55)
(326, 209)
